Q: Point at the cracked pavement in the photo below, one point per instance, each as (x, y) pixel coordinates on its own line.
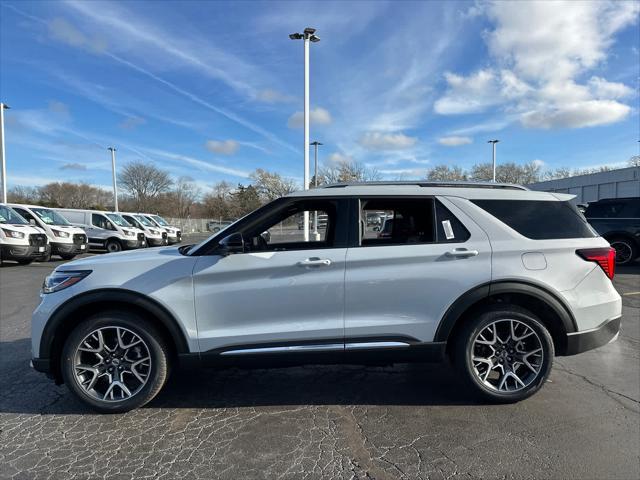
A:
(324, 422)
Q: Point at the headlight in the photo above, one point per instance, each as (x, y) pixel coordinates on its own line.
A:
(13, 234)
(60, 280)
(60, 233)
(129, 233)
(153, 232)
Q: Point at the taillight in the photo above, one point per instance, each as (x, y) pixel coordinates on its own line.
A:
(605, 257)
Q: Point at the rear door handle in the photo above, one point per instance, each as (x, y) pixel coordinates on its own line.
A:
(461, 253)
(315, 262)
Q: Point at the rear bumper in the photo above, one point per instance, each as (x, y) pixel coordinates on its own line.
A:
(579, 342)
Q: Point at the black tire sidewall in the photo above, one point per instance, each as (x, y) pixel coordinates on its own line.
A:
(116, 243)
(632, 248)
(141, 327)
(463, 352)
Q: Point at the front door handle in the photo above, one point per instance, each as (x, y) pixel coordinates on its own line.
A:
(461, 253)
(315, 262)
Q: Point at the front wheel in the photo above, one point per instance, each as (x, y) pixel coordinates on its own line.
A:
(505, 354)
(114, 246)
(115, 362)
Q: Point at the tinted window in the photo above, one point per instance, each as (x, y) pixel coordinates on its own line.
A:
(100, 221)
(448, 228)
(393, 221)
(623, 208)
(539, 220)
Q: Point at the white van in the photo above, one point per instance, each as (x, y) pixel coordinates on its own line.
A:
(155, 236)
(19, 240)
(173, 233)
(66, 240)
(106, 230)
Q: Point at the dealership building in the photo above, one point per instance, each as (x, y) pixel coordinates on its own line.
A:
(621, 183)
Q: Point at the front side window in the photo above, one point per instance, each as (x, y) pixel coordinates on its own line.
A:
(285, 229)
(160, 221)
(132, 221)
(101, 221)
(394, 221)
(540, 219)
(143, 220)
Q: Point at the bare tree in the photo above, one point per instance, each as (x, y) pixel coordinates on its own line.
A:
(75, 195)
(634, 161)
(217, 204)
(272, 185)
(507, 172)
(19, 194)
(446, 173)
(348, 171)
(144, 183)
(558, 173)
(183, 197)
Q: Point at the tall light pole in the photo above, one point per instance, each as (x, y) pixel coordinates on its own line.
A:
(316, 144)
(308, 36)
(113, 171)
(494, 157)
(3, 106)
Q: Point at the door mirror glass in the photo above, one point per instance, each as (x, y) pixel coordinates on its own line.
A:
(233, 243)
(32, 221)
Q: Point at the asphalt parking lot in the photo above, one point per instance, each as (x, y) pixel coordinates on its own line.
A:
(413, 422)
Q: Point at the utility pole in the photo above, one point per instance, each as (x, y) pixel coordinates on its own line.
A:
(316, 234)
(308, 36)
(3, 107)
(493, 142)
(113, 171)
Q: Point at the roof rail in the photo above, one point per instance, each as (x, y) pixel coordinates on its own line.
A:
(420, 183)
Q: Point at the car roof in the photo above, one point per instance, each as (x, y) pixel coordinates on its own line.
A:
(468, 190)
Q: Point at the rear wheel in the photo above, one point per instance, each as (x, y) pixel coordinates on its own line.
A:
(114, 246)
(505, 354)
(626, 251)
(115, 362)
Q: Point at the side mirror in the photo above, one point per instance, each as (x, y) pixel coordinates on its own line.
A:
(233, 243)
(32, 221)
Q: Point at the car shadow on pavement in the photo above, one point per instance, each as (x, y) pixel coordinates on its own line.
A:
(25, 391)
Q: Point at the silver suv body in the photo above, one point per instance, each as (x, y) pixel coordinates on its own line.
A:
(496, 277)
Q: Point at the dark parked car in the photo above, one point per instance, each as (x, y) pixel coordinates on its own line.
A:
(618, 220)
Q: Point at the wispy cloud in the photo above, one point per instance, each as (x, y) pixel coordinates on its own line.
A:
(454, 141)
(317, 116)
(223, 147)
(131, 123)
(387, 141)
(74, 166)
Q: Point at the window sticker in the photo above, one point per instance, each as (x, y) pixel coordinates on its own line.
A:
(448, 231)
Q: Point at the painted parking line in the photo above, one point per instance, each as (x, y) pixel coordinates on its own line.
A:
(630, 293)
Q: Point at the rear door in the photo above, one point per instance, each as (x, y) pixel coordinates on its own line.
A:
(399, 284)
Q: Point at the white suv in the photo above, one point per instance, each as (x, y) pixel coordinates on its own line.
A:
(496, 277)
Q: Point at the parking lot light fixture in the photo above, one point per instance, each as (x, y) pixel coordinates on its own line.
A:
(309, 36)
(3, 107)
(113, 171)
(493, 142)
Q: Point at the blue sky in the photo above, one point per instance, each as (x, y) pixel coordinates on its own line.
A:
(213, 90)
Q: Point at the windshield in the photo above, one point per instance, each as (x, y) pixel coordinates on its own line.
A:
(160, 220)
(50, 217)
(118, 220)
(10, 216)
(143, 220)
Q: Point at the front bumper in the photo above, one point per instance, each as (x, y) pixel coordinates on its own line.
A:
(157, 242)
(23, 252)
(176, 239)
(68, 248)
(133, 244)
(578, 342)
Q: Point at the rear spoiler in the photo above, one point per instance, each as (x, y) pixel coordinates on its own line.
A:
(564, 197)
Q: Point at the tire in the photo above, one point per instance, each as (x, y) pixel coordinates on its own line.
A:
(480, 375)
(114, 246)
(626, 250)
(151, 355)
(66, 256)
(25, 261)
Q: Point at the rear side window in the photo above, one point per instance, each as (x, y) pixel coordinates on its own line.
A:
(539, 220)
(623, 208)
(448, 228)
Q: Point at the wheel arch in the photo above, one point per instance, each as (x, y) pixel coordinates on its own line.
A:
(74, 310)
(551, 310)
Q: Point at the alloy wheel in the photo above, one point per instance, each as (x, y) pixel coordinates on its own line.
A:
(507, 356)
(623, 251)
(112, 364)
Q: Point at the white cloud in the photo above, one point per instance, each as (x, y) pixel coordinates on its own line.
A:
(386, 141)
(63, 31)
(338, 157)
(132, 122)
(73, 166)
(576, 115)
(201, 164)
(269, 95)
(223, 147)
(454, 141)
(543, 49)
(317, 116)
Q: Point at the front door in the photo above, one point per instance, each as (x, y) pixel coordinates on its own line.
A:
(282, 293)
